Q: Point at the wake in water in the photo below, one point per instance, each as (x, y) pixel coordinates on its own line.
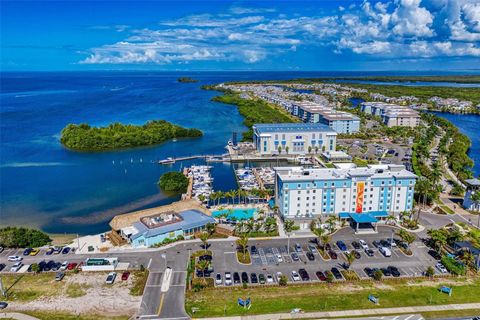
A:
(34, 164)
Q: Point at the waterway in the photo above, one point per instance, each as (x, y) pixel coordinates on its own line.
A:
(47, 186)
(412, 83)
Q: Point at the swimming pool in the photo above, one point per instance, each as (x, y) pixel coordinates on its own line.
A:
(237, 213)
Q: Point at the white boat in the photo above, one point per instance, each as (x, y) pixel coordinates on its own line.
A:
(169, 160)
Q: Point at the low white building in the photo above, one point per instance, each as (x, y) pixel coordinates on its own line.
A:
(293, 138)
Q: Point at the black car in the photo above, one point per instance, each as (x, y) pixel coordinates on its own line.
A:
(386, 272)
(310, 256)
(434, 254)
(261, 278)
(336, 274)
(3, 305)
(304, 275)
(321, 276)
(328, 247)
(356, 245)
(356, 254)
(66, 250)
(332, 254)
(27, 251)
(41, 265)
(244, 277)
(253, 278)
(253, 250)
(236, 278)
(295, 256)
(2, 266)
(385, 243)
(394, 271)
(368, 272)
(205, 257)
(369, 252)
(377, 244)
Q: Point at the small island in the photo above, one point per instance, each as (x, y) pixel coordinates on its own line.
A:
(173, 181)
(186, 80)
(83, 137)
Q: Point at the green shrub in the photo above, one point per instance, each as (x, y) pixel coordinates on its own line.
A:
(283, 280)
(453, 266)
(14, 237)
(173, 181)
(378, 275)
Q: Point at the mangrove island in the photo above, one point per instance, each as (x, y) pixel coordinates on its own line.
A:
(83, 137)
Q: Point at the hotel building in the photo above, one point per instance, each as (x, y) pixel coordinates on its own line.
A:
(376, 190)
(298, 137)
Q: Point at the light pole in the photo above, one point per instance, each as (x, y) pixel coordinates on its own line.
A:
(288, 243)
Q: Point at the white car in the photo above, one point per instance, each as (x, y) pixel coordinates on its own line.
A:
(228, 279)
(111, 278)
(279, 257)
(16, 267)
(269, 278)
(218, 279)
(391, 242)
(385, 251)
(279, 275)
(441, 268)
(15, 258)
(64, 266)
(363, 244)
(295, 276)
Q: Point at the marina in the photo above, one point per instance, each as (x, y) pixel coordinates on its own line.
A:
(200, 186)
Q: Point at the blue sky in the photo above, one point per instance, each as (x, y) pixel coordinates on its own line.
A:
(240, 35)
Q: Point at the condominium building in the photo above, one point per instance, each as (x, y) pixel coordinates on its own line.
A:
(341, 122)
(392, 114)
(376, 190)
(296, 138)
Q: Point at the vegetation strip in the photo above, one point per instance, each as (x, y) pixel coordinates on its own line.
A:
(83, 137)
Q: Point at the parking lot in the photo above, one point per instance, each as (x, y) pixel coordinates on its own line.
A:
(273, 256)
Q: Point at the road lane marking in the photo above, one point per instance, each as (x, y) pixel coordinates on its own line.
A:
(149, 263)
(160, 306)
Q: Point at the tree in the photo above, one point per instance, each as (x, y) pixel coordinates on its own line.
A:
(325, 239)
(430, 271)
(201, 198)
(232, 194)
(331, 221)
(467, 258)
(391, 218)
(438, 237)
(35, 268)
(204, 238)
(350, 258)
(210, 227)
(213, 197)
(203, 266)
(288, 227)
(406, 236)
(19, 237)
(242, 243)
(377, 275)
(316, 149)
(283, 280)
(475, 197)
(329, 277)
(279, 149)
(309, 149)
(318, 232)
(249, 225)
(287, 149)
(173, 181)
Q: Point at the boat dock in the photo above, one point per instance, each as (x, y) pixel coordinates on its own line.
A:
(209, 158)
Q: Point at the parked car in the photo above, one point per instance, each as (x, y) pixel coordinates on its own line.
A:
(66, 250)
(332, 254)
(368, 272)
(310, 256)
(253, 250)
(386, 272)
(34, 252)
(385, 251)
(49, 251)
(111, 278)
(279, 274)
(57, 250)
(312, 247)
(295, 276)
(125, 276)
(218, 279)
(434, 255)
(236, 278)
(253, 278)
(3, 304)
(270, 278)
(228, 279)
(341, 245)
(356, 245)
(279, 257)
(304, 275)
(295, 256)
(298, 247)
(15, 258)
(363, 244)
(321, 276)
(16, 266)
(244, 277)
(2, 266)
(56, 266)
(336, 273)
(328, 247)
(64, 266)
(391, 242)
(261, 278)
(394, 271)
(376, 244)
(440, 267)
(71, 266)
(27, 251)
(356, 254)
(59, 276)
(369, 252)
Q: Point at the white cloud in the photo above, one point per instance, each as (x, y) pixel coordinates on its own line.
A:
(410, 19)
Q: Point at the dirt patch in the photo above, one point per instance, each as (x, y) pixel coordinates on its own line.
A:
(91, 295)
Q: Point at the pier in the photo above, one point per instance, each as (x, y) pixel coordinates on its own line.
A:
(210, 158)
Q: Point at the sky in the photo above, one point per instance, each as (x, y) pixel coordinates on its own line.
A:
(240, 35)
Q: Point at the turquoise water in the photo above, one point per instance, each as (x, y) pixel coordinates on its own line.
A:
(237, 213)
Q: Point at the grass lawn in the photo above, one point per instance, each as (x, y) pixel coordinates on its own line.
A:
(324, 297)
(58, 315)
(244, 258)
(29, 287)
(75, 290)
(139, 282)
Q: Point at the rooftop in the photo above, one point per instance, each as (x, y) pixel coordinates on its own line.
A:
(292, 127)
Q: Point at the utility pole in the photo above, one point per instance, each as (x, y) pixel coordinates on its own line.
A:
(2, 289)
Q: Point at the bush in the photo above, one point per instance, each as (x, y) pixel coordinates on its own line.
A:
(330, 277)
(378, 275)
(13, 237)
(430, 272)
(173, 181)
(453, 266)
(283, 280)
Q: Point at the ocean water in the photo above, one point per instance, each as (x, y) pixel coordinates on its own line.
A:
(47, 186)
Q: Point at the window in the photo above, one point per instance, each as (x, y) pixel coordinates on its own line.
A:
(308, 198)
(298, 198)
(299, 185)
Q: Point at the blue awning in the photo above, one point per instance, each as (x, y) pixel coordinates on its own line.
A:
(378, 214)
(363, 218)
(344, 215)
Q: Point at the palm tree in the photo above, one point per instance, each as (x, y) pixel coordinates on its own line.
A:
(242, 243)
(438, 237)
(232, 194)
(331, 221)
(324, 240)
(201, 198)
(288, 227)
(287, 149)
(270, 224)
(279, 149)
(210, 227)
(204, 238)
(390, 218)
(467, 258)
(249, 224)
(350, 258)
(203, 266)
(406, 236)
(213, 197)
(318, 232)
